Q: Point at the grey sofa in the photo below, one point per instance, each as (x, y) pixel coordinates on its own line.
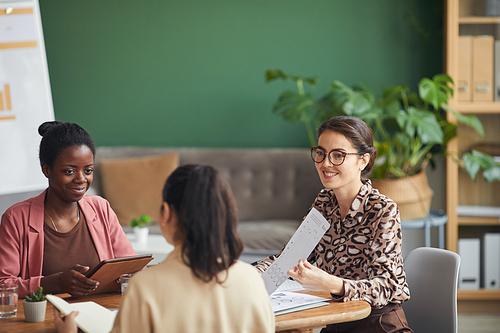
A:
(273, 188)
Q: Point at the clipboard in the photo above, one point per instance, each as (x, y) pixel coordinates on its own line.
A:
(109, 270)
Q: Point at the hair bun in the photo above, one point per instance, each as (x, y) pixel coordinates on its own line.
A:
(46, 126)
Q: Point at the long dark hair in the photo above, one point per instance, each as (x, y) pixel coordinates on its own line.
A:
(57, 136)
(356, 131)
(207, 219)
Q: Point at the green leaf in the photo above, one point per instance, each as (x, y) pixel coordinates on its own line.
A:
(311, 80)
(273, 74)
(491, 168)
(351, 102)
(436, 91)
(294, 107)
(492, 174)
(466, 119)
(393, 95)
(426, 125)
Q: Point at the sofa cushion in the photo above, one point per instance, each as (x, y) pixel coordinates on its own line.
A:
(270, 236)
(267, 235)
(133, 186)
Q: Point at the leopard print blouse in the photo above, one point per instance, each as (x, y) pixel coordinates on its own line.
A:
(364, 249)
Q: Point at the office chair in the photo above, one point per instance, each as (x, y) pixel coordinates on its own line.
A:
(432, 276)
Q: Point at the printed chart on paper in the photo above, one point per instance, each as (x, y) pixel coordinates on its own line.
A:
(303, 241)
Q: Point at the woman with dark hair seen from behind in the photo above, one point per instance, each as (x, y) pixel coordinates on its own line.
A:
(201, 286)
(359, 257)
(51, 240)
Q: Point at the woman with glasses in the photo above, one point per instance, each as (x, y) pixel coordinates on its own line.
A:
(359, 257)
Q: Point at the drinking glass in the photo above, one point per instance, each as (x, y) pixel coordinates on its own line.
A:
(8, 300)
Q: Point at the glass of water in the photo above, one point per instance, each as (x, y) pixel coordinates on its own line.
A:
(124, 281)
(8, 300)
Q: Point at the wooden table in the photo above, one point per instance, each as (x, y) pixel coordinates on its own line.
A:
(300, 321)
(333, 313)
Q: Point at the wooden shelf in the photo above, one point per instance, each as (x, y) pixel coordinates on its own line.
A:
(478, 107)
(479, 20)
(479, 295)
(478, 220)
(459, 188)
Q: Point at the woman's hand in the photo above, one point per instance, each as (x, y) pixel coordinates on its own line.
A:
(313, 278)
(66, 324)
(72, 281)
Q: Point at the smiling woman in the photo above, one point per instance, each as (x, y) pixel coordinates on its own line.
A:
(359, 257)
(51, 240)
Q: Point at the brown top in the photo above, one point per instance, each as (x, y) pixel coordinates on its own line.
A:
(364, 249)
(63, 250)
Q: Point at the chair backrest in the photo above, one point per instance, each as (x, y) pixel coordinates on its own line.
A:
(432, 276)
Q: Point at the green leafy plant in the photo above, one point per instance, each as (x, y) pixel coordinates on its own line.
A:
(409, 129)
(35, 297)
(299, 105)
(141, 221)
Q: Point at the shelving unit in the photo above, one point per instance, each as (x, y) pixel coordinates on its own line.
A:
(460, 189)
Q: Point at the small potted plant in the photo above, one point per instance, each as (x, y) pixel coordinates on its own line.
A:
(35, 306)
(140, 227)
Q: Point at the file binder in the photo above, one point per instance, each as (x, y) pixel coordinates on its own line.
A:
(468, 277)
(482, 68)
(491, 248)
(464, 68)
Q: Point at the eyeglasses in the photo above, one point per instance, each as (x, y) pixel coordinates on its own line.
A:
(336, 156)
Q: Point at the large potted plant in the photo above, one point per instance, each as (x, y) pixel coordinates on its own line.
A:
(410, 129)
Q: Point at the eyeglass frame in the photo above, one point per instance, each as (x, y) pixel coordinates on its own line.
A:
(344, 154)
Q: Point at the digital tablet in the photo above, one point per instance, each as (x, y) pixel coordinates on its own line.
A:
(108, 271)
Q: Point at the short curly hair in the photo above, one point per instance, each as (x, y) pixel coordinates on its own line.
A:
(57, 136)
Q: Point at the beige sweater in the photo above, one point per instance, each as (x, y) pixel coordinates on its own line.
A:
(169, 298)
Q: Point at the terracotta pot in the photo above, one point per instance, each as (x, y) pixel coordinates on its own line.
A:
(412, 194)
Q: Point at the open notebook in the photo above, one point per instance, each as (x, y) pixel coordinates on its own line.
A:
(92, 317)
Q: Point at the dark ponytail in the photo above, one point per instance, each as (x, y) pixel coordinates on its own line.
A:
(207, 219)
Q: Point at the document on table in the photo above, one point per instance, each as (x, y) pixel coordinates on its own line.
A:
(303, 241)
(284, 302)
(92, 317)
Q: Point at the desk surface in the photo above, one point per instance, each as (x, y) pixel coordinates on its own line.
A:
(334, 312)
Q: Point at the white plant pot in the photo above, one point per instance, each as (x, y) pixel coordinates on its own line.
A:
(34, 312)
(141, 234)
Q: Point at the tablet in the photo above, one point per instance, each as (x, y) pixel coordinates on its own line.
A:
(108, 271)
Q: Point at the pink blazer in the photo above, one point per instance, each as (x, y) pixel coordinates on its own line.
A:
(22, 239)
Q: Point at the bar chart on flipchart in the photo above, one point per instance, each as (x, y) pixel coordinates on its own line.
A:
(25, 95)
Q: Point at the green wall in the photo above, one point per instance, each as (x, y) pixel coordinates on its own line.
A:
(191, 73)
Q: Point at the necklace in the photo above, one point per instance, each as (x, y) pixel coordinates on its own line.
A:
(51, 220)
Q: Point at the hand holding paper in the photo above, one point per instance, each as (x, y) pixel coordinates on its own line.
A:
(313, 278)
(92, 317)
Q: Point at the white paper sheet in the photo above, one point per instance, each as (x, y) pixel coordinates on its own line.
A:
(287, 300)
(303, 241)
(92, 317)
(289, 285)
